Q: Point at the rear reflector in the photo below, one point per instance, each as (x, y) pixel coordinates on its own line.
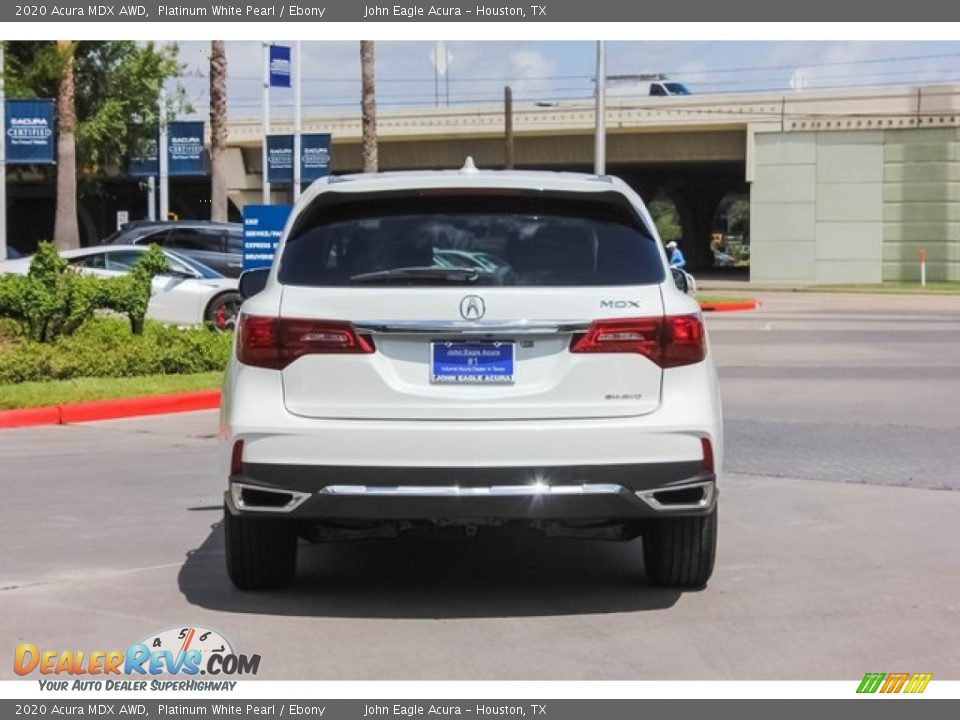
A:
(707, 447)
(236, 458)
(667, 341)
(276, 342)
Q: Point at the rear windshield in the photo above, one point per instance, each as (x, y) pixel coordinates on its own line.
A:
(482, 240)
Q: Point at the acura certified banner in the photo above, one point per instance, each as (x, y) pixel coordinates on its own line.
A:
(185, 148)
(314, 156)
(29, 132)
(147, 163)
(279, 159)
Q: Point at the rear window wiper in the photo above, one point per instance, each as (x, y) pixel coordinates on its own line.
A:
(429, 274)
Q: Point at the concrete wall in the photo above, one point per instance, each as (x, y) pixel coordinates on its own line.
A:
(816, 208)
(855, 206)
(921, 203)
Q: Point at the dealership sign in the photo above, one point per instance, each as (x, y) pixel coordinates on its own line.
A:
(280, 158)
(29, 132)
(185, 148)
(262, 229)
(314, 156)
(147, 163)
(279, 66)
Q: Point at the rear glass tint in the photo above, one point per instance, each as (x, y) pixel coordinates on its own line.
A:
(539, 240)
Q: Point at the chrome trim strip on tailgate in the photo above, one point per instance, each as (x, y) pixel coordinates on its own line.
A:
(480, 327)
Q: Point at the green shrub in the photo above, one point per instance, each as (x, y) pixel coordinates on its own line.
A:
(105, 347)
(53, 300)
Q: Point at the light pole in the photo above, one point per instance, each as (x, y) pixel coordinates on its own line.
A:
(297, 121)
(163, 159)
(600, 132)
(266, 121)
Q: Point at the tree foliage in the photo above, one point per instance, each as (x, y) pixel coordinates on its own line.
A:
(666, 218)
(117, 87)
(53, 299)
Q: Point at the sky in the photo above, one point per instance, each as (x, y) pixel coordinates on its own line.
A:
(546, 71)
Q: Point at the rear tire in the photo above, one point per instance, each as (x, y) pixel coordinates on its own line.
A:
(261, 552)
(680, 552)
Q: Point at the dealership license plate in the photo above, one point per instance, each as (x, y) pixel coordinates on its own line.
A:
(477, 363)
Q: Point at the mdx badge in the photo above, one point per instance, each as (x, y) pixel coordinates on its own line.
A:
(620, 304)
(472, 307)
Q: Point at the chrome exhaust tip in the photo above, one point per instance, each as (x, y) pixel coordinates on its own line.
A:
(256, 498)
(688, 496)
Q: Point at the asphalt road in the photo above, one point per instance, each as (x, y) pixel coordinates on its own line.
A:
(837, 553)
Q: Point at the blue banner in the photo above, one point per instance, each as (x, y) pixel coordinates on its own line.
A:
(314, 156)
(279, 159)
(262, 229)
(29, 136)
(146, 164)
(185, 148)
(279, 66)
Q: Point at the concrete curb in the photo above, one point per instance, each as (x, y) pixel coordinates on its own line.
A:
(110, 409)
(730, 306)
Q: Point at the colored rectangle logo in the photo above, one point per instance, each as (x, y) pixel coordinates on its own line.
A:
(894, 683)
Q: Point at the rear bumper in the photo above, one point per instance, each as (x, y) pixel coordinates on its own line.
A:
(582, 493)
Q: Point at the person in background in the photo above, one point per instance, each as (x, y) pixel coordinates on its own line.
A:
(677, 260)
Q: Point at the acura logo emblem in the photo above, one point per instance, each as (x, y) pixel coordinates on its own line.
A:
(472, 307)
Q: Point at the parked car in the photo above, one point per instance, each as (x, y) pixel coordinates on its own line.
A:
(373, 389)
(190, 294)
(216, 245)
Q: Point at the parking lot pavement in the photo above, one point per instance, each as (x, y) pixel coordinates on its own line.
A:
(849, 388)
(826, 569)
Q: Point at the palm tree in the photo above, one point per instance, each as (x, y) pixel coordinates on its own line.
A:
(368, 106)
(218, 131)
(66, 231)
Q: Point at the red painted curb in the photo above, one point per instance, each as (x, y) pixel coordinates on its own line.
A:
(110, 409)
(30, 416)
(730, 307)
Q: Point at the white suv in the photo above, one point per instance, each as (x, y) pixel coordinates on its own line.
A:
(472, 348)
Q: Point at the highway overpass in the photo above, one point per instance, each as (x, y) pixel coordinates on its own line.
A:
(844, 185)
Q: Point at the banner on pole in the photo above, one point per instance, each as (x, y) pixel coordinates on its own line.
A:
(262, 229)
(314, 156)
(279, 66)
(29, 136)
(146, 163)
(279, 159)
(185, 148)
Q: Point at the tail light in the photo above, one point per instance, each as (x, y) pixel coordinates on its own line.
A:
(276, 342)
(667, 341)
